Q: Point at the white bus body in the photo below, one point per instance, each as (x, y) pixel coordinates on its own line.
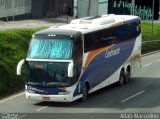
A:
(68, 62)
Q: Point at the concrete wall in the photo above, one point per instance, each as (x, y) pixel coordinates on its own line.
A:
(82, 8)
(37, 8)
(102, 7)
(14, 7)
(87, 8)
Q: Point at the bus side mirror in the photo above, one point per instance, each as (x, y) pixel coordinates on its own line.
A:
(70, 69)
(19, 66)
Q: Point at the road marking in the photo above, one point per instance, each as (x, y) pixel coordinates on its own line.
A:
(133, 96)
(147, 64)
(12, 97)
(41, 108)
(21, 117)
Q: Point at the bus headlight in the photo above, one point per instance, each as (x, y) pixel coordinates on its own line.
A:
(64, 93)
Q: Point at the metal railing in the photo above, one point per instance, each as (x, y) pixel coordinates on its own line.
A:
(150, 42)
(150, 46)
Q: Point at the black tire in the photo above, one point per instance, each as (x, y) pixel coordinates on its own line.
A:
(127, 75)
(84, 93)
(121, 78)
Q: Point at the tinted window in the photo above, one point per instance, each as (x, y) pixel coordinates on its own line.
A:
(109, 36)
(99, 39)
(90, 41)
(126, 31)
(78, 49)
(106, 38)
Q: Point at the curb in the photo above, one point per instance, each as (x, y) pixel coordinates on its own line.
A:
(150, 53)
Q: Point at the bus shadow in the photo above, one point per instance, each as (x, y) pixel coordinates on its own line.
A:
(113, 96)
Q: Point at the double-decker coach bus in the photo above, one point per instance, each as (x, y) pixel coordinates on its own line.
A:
(66, 63)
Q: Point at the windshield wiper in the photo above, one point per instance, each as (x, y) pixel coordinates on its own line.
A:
(57, 84)
(33, 83)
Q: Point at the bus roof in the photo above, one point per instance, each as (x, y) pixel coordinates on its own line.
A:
(57, 31)
(90, 24)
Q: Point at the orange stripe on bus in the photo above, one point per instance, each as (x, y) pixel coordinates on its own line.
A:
(117, 24)
(92, 54)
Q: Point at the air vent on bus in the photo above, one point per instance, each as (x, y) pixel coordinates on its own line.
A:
(90, 18)
(53, 27)
(83, 21)
(107, 15)
(106, 19)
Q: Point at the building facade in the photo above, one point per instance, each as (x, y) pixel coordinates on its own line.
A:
(91, 7)
(14, 8)
(11, 9)
(78, 8)
(51, 8)
(141, 8)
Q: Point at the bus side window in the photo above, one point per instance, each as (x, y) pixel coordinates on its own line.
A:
(106, 38)
(78, 48)
(91, 41)
(126, 31)
(103, 42)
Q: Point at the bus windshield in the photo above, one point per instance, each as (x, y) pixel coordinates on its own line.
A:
(48, 74)
(51, 48)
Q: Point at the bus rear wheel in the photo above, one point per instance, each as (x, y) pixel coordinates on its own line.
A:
(121, 78)
(127, 75)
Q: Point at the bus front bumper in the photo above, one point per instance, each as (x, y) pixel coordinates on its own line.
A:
(51, 98)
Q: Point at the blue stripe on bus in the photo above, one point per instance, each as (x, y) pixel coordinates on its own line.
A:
(101, 67)
(44, 90)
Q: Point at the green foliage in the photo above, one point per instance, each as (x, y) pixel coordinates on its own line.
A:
(150, 47)
(13, 47)
(147, 35)
(147, 31)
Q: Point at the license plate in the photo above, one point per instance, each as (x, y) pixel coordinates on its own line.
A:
(46, 98)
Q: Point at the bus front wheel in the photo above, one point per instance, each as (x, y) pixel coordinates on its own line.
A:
(84, 93)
